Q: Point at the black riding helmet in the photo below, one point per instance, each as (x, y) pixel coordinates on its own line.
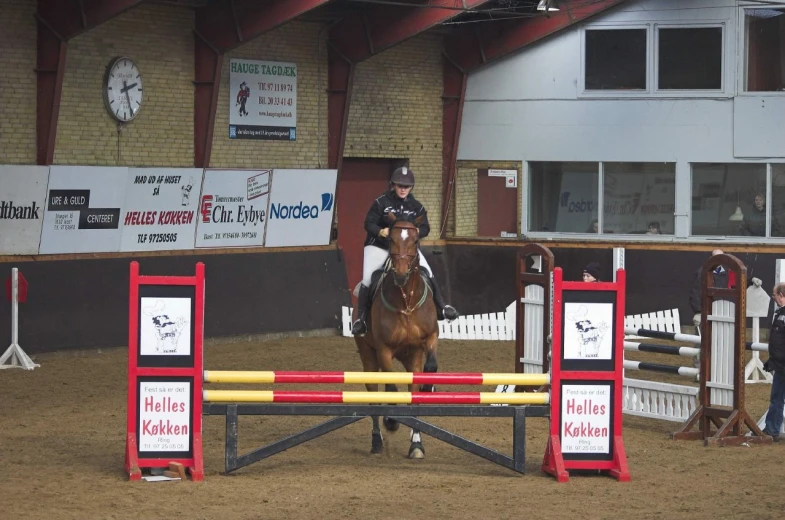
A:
(403, 176)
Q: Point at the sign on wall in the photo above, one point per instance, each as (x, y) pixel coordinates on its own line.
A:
(83, 207)
(161, 207)
(233, 208)
(262, 100)
(22, 202)
(301, 208)
(586, 418)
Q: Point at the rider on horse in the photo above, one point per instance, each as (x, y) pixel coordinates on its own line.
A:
(400, 202)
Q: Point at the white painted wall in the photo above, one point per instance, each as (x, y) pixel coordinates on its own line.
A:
(530, 105)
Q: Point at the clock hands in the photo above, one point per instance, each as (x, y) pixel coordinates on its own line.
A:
(125, 90)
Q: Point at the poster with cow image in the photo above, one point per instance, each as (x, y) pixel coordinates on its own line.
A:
(233, 208)
(161, 206)
(83, 206)
(588, 330)
(301, 207)
(165, 327)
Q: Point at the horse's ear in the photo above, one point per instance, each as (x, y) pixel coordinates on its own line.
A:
(391, 217)
(418, 220)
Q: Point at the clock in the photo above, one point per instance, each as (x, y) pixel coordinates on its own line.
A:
(123, 91)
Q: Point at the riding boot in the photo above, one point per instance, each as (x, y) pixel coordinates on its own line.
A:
(443, 311)
(359, 327)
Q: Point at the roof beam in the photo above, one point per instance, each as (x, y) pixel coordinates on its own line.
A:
(360, 35)
(227, 24)
(70, 18)
(483, 43)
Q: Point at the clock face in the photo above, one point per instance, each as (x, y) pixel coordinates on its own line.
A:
(123, 91)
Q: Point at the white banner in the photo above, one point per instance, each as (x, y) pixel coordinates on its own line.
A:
(586, 419)
(262, 100)
(301, 208)
(83, 208)
(22, 203)
(233, 208)
(164, 416)
(160, 209)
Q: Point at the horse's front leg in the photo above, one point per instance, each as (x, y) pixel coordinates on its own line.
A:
(384, 359)
(413, 363)
(370, 364)
(431, 365)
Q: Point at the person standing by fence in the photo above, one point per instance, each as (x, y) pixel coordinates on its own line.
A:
(776, 365)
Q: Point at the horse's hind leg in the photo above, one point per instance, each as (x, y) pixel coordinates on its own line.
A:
(413, 363)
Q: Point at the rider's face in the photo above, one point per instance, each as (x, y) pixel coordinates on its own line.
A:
(402, 191)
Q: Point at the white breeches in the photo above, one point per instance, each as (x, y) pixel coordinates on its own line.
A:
(374, 258)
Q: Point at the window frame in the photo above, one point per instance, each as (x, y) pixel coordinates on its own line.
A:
(721, 92)
(583, 93)
(742, 43)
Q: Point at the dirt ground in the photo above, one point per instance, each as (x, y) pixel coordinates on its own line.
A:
(62, 439)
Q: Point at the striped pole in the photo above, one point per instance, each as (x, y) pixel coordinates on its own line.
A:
(758, 347)
(654, 367)
(662, 349)
(658, 334)
(285, 396)
(399, 378)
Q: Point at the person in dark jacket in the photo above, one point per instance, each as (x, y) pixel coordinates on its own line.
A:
(754, 223)
(399, 201)
(720, 278)
(592, 272)
(776, 365)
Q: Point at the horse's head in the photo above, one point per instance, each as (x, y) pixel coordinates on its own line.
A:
(404, 236)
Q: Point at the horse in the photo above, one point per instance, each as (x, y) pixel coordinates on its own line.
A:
(402, 324)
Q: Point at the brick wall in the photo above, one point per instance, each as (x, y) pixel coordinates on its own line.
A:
(304, 44)
(17, 81)
(396, 113)
(159, 39)
(465, 199)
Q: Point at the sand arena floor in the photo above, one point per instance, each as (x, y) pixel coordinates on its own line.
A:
(62, 440)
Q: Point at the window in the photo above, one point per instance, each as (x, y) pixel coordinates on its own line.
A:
(729, 199)
(639, 198)
(778, 200)
(563, 196)
(689, 58)
(765, 49)
(615, 59)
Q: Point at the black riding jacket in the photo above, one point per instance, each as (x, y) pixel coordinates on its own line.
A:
(776, 360)
(376, 218)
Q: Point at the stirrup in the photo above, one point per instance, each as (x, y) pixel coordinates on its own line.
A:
(449, 313)
(359, 327)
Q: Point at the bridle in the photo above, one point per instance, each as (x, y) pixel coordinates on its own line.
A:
(412, 267)
(412, 260)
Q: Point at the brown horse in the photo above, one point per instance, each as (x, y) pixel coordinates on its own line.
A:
(401, 325)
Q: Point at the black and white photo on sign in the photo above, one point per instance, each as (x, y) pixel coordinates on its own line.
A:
(588, 331)
(164, 416)
(586, 418)
(165, 327)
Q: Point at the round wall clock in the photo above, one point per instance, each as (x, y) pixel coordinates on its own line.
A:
(123, 92)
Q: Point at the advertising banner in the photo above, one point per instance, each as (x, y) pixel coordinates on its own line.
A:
(586, 418)
(262, 100)
(164, 416)
(83, 206)
(161, 206)
(233, 208)
(301, 208)
(22, 201)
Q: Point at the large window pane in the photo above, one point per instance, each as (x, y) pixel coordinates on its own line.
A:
(615, 59)
(778, 200)
(563, 196)
(639, 198)
(728, 199)
(690, 58)
(765, 36)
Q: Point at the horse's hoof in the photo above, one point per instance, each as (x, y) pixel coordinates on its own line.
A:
(377, 444)
(416, 451)
(391, 424)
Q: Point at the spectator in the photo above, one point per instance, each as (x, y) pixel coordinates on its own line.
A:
(776, 365)
(654, 228)
(754, 223)
(594, 227)
(592, 272)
